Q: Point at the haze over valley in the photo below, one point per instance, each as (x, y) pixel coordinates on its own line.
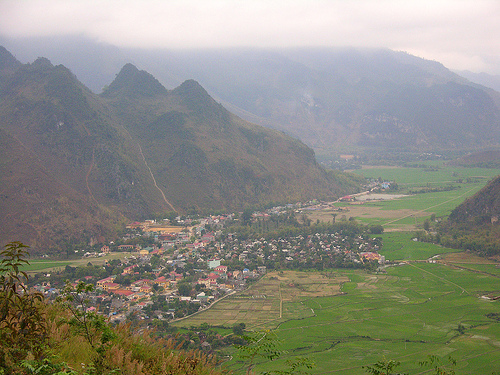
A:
(203, 187)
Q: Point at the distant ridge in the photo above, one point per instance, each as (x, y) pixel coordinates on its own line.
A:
(336, 100)
(132, 82)
(7, 61)
(78, 165)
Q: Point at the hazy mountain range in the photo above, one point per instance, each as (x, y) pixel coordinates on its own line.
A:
(335, 100)
(77, 165)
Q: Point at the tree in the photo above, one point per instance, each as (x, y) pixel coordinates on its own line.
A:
(23, 329)
(427, 225)
(184, 289)
(376, 229)
(239, 328)
(383, 367)
(246, 216)
(439, 368)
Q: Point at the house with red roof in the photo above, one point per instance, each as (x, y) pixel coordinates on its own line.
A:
(221, 269)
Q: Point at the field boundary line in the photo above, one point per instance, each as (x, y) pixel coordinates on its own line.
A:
(428, 208)
(281, 303)
(439, 277)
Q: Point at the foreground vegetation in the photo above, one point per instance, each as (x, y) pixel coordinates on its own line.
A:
(66, 338)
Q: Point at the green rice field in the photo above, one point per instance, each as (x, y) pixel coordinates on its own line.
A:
(37, 265)
(432, 301)
(412, 311)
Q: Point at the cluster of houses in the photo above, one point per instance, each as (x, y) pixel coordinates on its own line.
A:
(298, 251)
(214, 264)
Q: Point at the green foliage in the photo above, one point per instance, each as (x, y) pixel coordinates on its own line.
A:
(184, 288)
(388, 367)
(239, 328)
(383, 367)
(91, 326)
(23, 329)
(376, 229)
(262, 344)
(438, 367)
(265, 345)
(46, 366)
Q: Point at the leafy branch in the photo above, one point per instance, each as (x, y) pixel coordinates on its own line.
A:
(264, 344)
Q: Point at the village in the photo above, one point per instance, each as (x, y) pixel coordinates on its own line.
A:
(170, 271)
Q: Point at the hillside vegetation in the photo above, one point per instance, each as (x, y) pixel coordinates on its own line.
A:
(65, 338)
(77, 166)
(474, 225)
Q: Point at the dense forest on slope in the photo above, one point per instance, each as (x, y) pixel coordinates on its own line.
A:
(474, 225)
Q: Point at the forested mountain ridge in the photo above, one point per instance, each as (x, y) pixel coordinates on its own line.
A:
(474, 225)
(333, 99)
(204, 155)
(482, 208)
(76, 165)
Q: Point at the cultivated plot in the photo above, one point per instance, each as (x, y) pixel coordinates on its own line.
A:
(411, 312)
(278, 296)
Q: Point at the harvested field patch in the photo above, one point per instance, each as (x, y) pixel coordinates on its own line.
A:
(259, 306)
(165, 229)
(367, 211)
(465, 257)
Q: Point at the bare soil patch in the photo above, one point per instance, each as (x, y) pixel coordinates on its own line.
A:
(366, 211)
(466, 258)
(165, 229)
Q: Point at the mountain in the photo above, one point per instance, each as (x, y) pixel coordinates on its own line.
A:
(75, 165)
(336, 100)
(347, 99)
(484, 79)
(482, 208)
(204, 156)
(474, 225)
(69, 172)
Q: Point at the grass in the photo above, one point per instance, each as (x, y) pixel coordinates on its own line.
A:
(37, 265)
(412, 311)
(419, 177)
(408, 213)
(400, 246)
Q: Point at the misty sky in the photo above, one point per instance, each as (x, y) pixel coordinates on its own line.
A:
(461, 34)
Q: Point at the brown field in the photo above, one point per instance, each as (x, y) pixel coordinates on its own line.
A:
(368, 211)
(296, 285)
(165, 229)
(466, 258)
